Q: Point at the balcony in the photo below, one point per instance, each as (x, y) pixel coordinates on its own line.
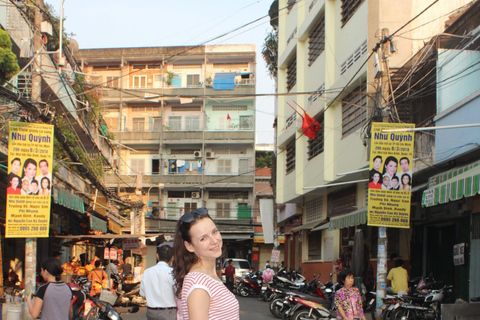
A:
(182, 180)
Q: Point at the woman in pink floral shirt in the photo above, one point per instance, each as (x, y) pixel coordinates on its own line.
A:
(348, 300)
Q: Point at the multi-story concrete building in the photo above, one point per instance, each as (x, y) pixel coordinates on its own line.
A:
(327, 66)
(184, 121)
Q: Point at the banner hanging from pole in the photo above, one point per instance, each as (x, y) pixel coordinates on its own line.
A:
(390, 177)
(29, 185)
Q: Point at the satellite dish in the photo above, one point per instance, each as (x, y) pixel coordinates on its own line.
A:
(74, 45)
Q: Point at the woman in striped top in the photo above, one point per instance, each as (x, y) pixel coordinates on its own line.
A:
(197, 245)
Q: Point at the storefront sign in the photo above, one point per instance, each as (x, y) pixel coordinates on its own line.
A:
(29, 185)
(275, 256)
(113, 254)
(458, 254)
(390, 176)
(130, 244)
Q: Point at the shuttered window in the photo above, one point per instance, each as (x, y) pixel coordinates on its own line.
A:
(315, 146)
(348, 9)
(316, 43)
(354, 110)
(292, 74)
(290, 160)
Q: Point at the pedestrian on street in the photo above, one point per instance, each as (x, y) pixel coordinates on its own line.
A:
(157, 287)
(53, 299)
(230, 275)
(99, 279)
(197, 245)
(398, 277)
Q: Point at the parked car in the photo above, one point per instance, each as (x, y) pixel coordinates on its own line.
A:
(242, 267)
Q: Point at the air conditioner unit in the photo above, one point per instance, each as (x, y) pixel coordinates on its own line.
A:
(195, 195)
(197, 154)
(210, 154)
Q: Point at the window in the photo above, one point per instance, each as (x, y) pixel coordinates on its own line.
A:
(155, 166)
(157, 124)
(315, 245)
(315, 147)
(192, 123)
(292, 74)
(138, 124)
(244, 166)
(186, 108)
(348, 9)
(246, 122)
(112, 123)
(224, 166)
(229, 108)
(228, 195)
(290, 4)
(193, 80)
(175, 122)
(157, 80)
(223, 210)
(313, 209)
(342, 201)
(354, 110)
(290, 157)
(139, 82)
(189, 206)
(316, 43)
(112, 82)
(137, 166)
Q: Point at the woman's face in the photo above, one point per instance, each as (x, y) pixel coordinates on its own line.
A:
(377, 163)
(14, 182)
(391, 167)
(45, 184)
(25, 185)
(405, 179)
(349, 281)
(30, 171)
(376, 177)
(16, 166)
(206, 240)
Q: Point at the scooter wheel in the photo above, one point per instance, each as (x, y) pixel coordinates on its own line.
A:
(303, 314)
(275, 309)
(243, 290)
(93, 314)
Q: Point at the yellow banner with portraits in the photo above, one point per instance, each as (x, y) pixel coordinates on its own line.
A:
(390, 175)
(29, 185)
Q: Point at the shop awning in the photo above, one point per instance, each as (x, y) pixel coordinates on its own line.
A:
(98, 224)
(351, 219)
(114, 227)
(68, 200)
(308, 225)
(224, 81)
(455, 184)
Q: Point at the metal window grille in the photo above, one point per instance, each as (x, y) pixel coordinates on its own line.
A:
(227, 195)
(348, 9)
(183, 151)
(230, 66)
(316, 43)
(354, 110)
(315, 146)
(290, 157)
(229, 108)
(292, 74)
(186, 108)
(313, 209)
(290, 4)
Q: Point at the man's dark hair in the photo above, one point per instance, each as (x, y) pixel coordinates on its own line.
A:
(98, 263)
(404, 158)
(165, 253)
(395, 178)
(398, 263)
(230, 261)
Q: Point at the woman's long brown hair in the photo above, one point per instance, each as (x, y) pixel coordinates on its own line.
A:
(183, 259)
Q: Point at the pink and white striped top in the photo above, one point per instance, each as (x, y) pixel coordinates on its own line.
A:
(223, 304)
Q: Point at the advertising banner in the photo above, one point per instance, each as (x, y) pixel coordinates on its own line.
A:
(390, 176)
(29, 185)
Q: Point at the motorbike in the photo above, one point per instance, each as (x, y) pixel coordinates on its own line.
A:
(250, 285)
(296, 307)
(292, 280)
(427, 307)
(100, 310)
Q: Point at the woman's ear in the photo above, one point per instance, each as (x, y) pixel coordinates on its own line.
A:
(188, 246)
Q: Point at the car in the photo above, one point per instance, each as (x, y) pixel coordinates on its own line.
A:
(242, 267)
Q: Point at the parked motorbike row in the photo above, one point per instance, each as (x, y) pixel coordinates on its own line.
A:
(292, 298)
(99, 308)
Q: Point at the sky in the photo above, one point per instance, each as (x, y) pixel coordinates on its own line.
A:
(150, 23)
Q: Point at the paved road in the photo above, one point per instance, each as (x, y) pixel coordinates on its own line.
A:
(250, 309)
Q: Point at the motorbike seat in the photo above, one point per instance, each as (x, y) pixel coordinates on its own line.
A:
(413, 299)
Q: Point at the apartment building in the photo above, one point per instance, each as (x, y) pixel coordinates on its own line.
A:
(183, 122)
(326, 65)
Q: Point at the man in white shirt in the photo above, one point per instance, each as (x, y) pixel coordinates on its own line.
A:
(157, 287)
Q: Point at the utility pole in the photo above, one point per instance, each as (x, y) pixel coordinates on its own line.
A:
(382, 94)
(31, 243)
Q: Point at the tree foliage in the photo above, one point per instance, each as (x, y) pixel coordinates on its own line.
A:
(8, 60)
(270, 53)
(265, 160)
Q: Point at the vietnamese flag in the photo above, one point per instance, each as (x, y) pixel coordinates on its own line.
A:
(310, 126)
(228, 117)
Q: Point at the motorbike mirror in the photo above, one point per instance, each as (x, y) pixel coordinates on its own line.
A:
(133, 309)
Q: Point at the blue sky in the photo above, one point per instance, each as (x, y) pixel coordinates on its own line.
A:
(149, 23)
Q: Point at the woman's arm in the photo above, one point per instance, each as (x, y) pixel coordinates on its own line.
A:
(342, 313)
(36, 307)
(198, 303)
